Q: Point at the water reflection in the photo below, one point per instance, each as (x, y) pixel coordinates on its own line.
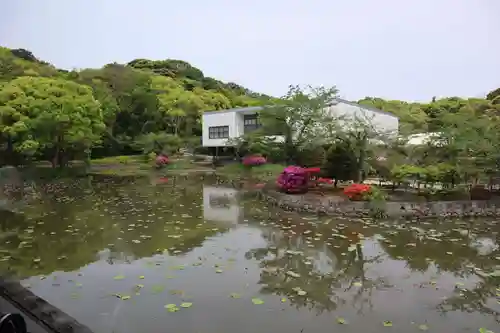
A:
(114, 254)
(221, 204)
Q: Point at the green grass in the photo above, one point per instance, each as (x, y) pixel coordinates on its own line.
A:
(119, 160)
(264, 172)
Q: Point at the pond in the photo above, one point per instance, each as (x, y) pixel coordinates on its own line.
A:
(125, 255)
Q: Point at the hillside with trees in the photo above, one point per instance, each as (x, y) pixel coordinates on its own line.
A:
(53, 114)
(56, 115)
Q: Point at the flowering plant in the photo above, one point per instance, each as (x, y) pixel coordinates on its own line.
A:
(357, 191)
(161, 160)
(254, 160)
(326, 180)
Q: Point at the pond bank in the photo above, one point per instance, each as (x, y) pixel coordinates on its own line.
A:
(338, 206)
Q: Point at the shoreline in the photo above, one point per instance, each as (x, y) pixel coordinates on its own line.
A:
(324, 205)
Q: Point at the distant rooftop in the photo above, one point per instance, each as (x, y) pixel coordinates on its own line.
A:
(337, 100)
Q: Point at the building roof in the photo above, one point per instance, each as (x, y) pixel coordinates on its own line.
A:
(338, 100)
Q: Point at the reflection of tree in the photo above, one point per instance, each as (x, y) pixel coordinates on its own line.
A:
(449, 248)
(474, 300)
(323, 285)
(75, 221)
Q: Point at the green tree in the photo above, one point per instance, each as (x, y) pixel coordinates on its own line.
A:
(50, 114)
(301, 117)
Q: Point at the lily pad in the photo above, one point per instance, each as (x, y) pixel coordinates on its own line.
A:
(423, 327)
(171, 308)
(293, 274)
(341, 321)
(186, 305)
(387, 323)
(119, 277)
(257, 301)
(484, 330)
(235, 295)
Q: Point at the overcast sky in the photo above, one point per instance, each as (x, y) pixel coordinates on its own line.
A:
(398, 49)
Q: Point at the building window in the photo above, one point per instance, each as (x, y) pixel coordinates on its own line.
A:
(218, 132)
(250, 123)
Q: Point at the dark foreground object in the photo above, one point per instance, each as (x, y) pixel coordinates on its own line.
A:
(40, 316)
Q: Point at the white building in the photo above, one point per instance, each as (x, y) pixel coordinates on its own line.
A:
(222, 125)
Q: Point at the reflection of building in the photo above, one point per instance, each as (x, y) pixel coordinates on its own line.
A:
(221, 204)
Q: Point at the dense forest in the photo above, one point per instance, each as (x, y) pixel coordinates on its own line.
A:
(57, 115)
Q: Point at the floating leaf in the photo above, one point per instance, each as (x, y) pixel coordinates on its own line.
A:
(235, 295)
(141, 277)
(219, 271)
(283, 300)
(171, 308)
(119, 277)
(357, 284)
(293, 274)
(186, 305)
(124, 297)
(257, 301)
(301, 292)
(341, 321)
(387, 323)
(484, 330)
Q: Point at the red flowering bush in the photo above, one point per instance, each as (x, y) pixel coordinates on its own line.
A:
(326, 180)
(161, 160)
(254, 160)
(357, 191)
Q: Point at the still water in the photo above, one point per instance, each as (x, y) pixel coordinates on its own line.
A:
(129, 256)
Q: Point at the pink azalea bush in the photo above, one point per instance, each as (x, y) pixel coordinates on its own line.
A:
(161, 160)
(254, 160)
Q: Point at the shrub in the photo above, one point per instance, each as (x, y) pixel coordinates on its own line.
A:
(357, 191)
(161, 160)
(150, 157)
(254, 160)
(123, 159)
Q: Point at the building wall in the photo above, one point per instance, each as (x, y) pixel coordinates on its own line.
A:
(383, 122)
(219, 119)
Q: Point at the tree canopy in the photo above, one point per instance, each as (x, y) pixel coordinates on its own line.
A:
(46, 113)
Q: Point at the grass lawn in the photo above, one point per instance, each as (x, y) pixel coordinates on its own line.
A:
(136, 165)
(264, 172)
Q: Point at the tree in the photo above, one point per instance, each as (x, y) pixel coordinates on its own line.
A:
(358, 135)
(49, 114)
(301, 116)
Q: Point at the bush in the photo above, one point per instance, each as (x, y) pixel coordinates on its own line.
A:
(254, 160)
(159, 143)
(312, 157)
(341, 162)
(150, 157)
(123, 159)
(161, 161)
(357, 191)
